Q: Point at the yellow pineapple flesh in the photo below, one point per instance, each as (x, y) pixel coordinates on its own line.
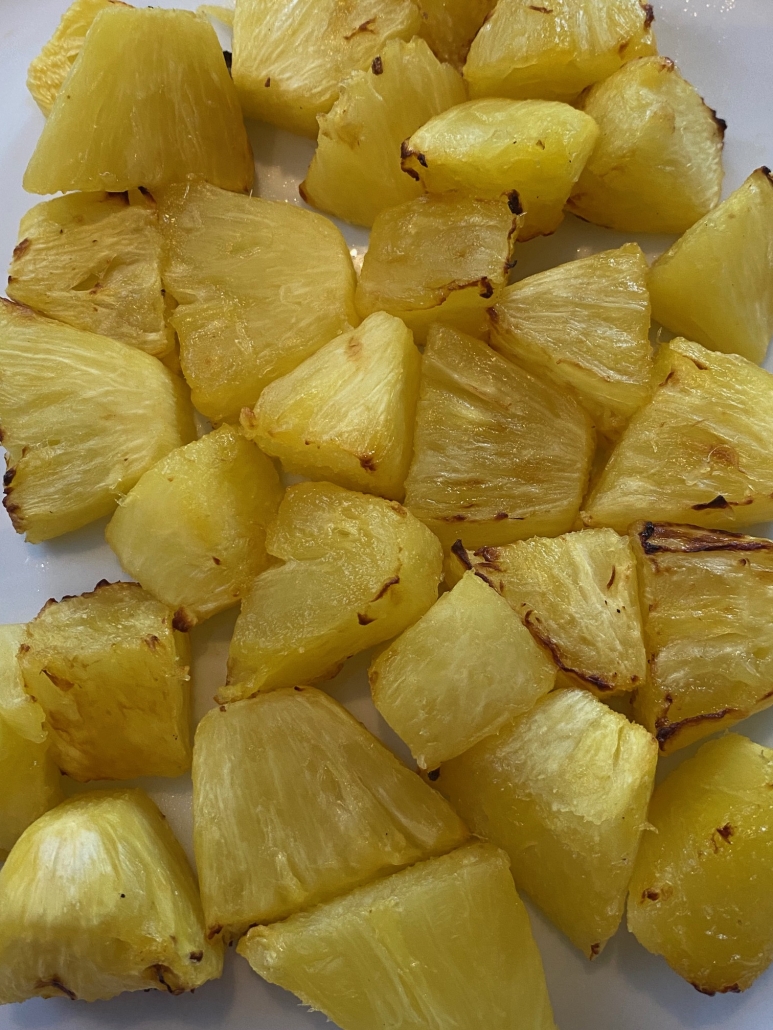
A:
(449, 26)
(17, 709)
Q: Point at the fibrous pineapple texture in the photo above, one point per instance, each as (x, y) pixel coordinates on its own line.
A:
(449, 26)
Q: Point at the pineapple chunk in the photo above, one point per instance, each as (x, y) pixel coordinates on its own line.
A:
(111, 674)
(702, 885)
(449, 26)
(715, 284)
(355, 172)
(584, 325)
(462, 671)
(192, 532)
(439, 259)
(346, 414)
(489, 147)
(260, 285)
(564, 790)
(149, 101)
(446, 943)
(554, 51)
(20, 711)
(295, 802)
(357, 570)
(657, 166)
(97, 898)
(498, 454)
(81, 418)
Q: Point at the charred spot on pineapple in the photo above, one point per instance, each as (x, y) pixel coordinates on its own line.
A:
(514, 200)
(56, 985)
(650, 895)
(391, 582)
(726, 831)
(182, 621)
(665, 730)
(434, 775)
(228, 58)
(366, 26)
(8, 477)
(458, 549)
(377, 66)
(719, 502)
(670, 538)
(595, 950)
(649, 15)
(21, 248)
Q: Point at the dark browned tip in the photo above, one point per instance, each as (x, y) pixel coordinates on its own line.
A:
(718, 502)
(228, 58)
(21, 248)
(669, 538)
(102, 584)
(767, 173)
(720, 123)
(665, 730)
(305, 198)
(8, 476)
(486, 287)
(182, 621)
(377, 66)
(514, 202)
(649, 15)
(594, 950)
(459, 550)
(57, 984)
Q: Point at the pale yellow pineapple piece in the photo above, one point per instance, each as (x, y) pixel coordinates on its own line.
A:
(445, 943)
(449, 26)
(260, 285)
(564, 790)
(20, 711)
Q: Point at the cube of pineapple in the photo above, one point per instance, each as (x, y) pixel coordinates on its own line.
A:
(149, 101)
(355, 172)
(449, 26)
(439, 259)
(564, 790)
(657, 166)
(498, 453)
(97, 898)
(715, 284)
(81, 418)
(445, 943)
(260, 285)
(357, 570)
(489, 147)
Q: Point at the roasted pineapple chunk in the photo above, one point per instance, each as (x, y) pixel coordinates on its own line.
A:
(657, 166)
(81, 418)
(20, 711)
(445, 943)
(715, 284)
(449, 26)
(357, 570)
(564, 790)
(149, 101)
(98, 898)
(260, 285)
(498, 454)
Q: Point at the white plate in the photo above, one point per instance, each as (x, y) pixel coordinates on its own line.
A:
(724, 47)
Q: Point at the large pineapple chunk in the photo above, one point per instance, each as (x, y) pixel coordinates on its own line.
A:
(657, 166)
(261, 285)
(446, 943)
(357, 570)
(715, 284)
(148, 101)
(97, 898)
(81, 418)
(449, 26)
(498, 454)
(564, 790)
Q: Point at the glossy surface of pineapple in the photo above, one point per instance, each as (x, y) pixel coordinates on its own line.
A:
(449, 26)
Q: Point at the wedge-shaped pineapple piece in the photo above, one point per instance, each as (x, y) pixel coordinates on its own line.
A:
(149, 101)
(98, 898)
(657, 166)
(489, 147)
(20, 711)
(445, 943)
(498, 453)
(449, 26)
(715, 284)
(260, 286)
(439, 259)
(357, 570)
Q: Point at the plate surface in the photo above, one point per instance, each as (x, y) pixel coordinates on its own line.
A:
(724, 48)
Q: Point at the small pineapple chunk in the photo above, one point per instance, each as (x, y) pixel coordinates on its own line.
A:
(498, 454)
(260, 285)
(657, 166)
(98, 898)
(446, 943)
(449, 26)
(20, 711)
(564, 790)
(715, 284)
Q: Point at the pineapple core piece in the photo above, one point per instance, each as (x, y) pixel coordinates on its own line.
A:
(295, 802)
(463, 670)
(489, 147)
(81, 418)
(346, 414)
(260, 285)
(498, 454)
(449, 26)
(715, 284)
(357, 570)
(445, 943)
(98, 898)
(702, 889)
(149, 101)
(192, 532)
(111, 674)
(657, 166)
(355, 172)
(564, 790)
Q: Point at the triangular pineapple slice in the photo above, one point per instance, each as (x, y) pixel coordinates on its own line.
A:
(657, 166)
(98, 898)
(148, 101)
(346, 414)
(498, 454)
(446, 943)
(449, 26)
